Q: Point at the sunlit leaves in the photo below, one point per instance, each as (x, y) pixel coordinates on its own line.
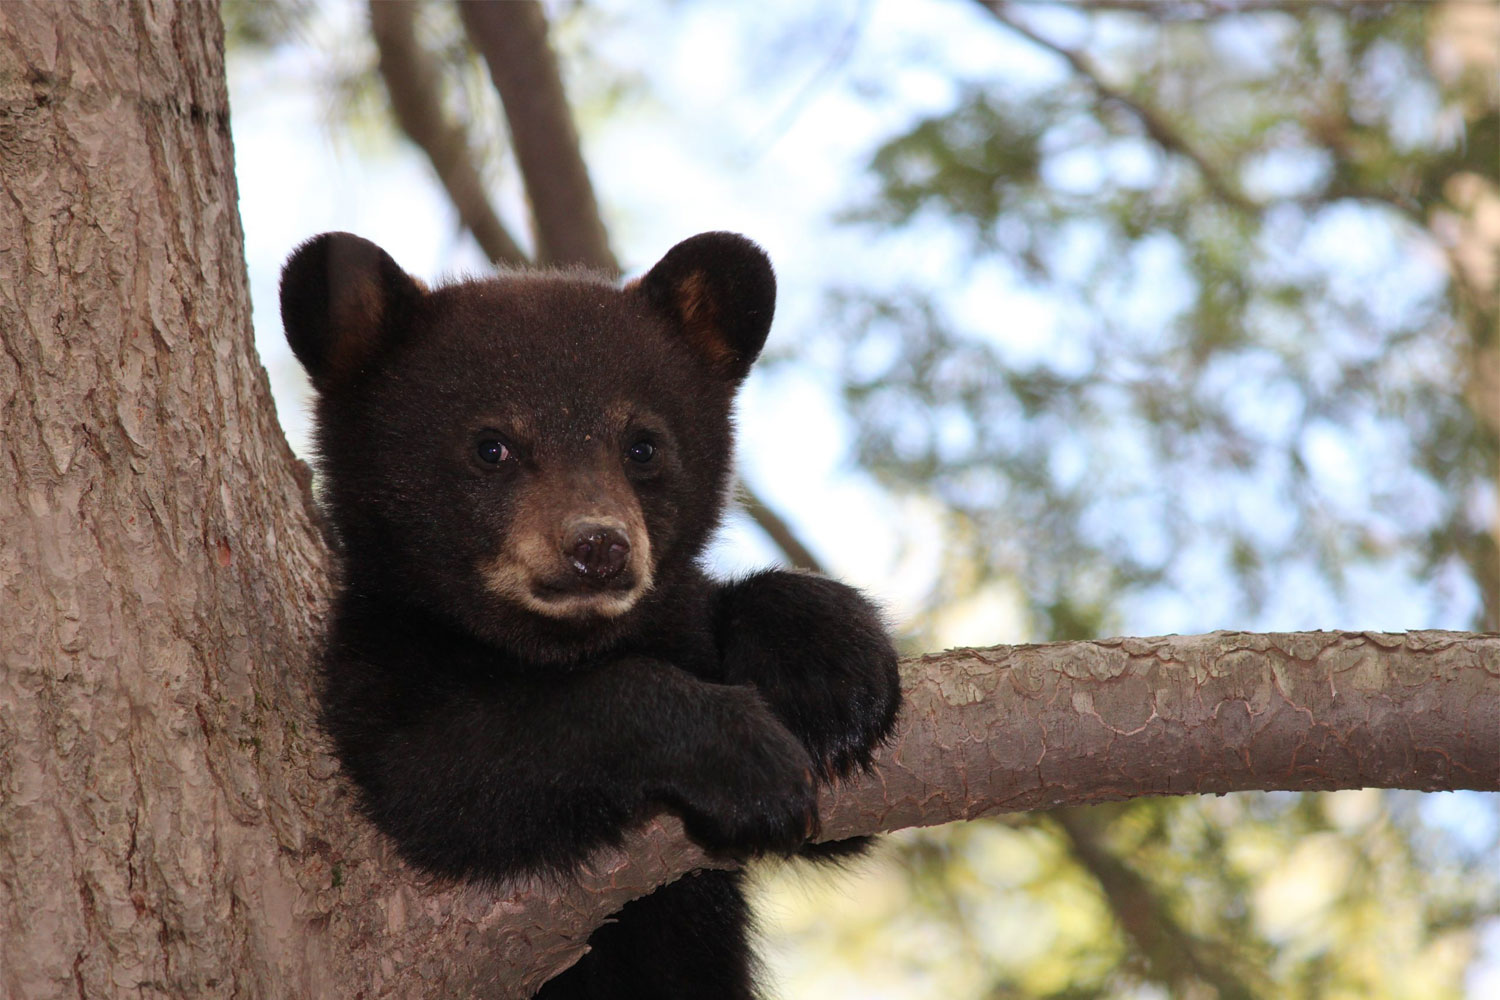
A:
(1244, 395)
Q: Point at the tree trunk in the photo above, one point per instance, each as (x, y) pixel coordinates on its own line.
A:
(171, 824)
(159, 580)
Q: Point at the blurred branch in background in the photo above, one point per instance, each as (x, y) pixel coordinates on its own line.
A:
(1156, 126)
(512, 37)
(778, 531)
(413, 81)
(838, 55)
(1175, 959)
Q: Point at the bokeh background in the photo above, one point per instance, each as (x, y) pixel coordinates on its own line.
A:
(1095, 317)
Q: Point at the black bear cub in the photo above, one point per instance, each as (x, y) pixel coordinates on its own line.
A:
(525, 657)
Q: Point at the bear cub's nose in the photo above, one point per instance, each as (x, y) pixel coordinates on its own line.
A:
(598, 551)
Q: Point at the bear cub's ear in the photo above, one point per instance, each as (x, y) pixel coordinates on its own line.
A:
(342, 299)
(721, 292)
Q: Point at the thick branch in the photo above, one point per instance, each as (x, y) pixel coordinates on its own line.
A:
(411, 78)
(512, 37)
(1027, 727)
(1161, 131)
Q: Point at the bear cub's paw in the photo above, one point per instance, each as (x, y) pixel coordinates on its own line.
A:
(820, 655)
(749, 787)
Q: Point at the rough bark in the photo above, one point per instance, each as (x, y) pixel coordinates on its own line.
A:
(158, 576)
(170, 825)
(1072, 723)
(1064, 724)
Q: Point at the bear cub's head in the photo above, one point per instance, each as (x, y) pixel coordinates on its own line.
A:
(537, 457)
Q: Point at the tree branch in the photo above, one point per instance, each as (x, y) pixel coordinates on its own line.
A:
(1162, 132)
(1174, 957)
(512, 37)
(411, 78)
(986, 731)
(778, 530)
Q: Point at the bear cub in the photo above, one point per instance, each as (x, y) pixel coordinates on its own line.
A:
(525, 657)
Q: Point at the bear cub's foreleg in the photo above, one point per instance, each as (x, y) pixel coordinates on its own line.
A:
(819, 654)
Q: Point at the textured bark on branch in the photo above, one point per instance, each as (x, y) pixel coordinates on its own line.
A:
(1071, 723)
(1076, 723)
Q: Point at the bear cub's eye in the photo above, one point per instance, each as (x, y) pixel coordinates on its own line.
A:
(492, 451)
(641, 451)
